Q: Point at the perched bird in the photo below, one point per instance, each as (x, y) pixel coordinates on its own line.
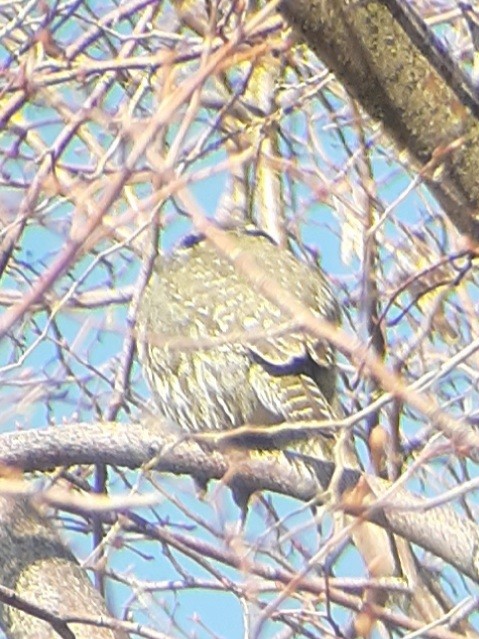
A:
(218, 354)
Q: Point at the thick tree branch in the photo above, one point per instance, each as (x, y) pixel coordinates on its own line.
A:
(47, 586)
(441, 530)
(419, 103)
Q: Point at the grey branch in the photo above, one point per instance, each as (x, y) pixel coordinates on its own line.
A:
(440, 531)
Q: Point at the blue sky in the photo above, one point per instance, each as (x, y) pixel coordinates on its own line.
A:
(62, 368)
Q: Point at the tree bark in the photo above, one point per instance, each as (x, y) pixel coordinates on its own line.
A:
(392, 64)
(48, 585)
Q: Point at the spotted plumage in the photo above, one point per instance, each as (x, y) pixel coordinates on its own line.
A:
(218, 354)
